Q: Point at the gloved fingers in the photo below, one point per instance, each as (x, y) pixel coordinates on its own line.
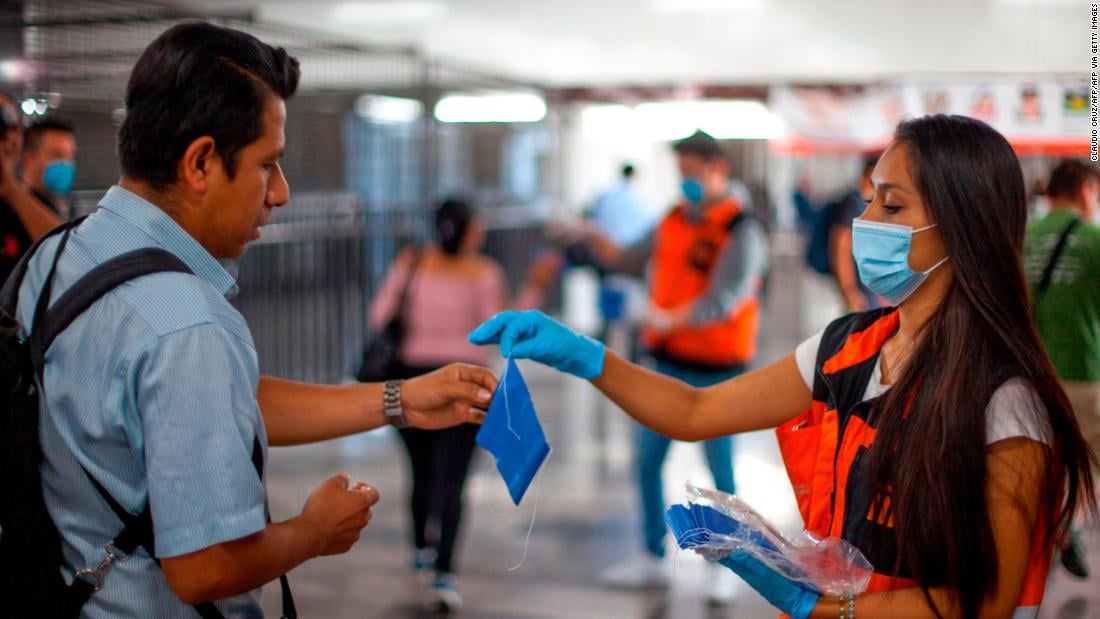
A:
(517, 331)
(527, 349)
(489, 332)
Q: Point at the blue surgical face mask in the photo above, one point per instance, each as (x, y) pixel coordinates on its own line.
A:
(513, 434)
(882, 257)
(59, 175)
(692, 190)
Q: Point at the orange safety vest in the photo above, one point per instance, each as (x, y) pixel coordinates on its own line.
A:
(824, 449)
(685, 253)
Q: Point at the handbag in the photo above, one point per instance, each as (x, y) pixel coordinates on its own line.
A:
(382, 352)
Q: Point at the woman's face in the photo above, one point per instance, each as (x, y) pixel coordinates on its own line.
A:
(895, 200)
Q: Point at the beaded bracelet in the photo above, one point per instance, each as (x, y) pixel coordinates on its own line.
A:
(850, 606)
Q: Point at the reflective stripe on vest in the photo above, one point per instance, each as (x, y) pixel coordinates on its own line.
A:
(684, 255)
(824, 452)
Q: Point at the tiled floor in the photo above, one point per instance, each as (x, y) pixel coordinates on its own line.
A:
(586, 518)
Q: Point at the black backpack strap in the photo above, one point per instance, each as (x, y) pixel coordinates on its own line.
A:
(137, 530)
(89, 289)
(9, 295)
(1052, 262)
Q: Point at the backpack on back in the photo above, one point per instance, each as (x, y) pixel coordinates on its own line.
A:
(31, 583)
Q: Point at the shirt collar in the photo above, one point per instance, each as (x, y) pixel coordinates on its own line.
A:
(165, 232)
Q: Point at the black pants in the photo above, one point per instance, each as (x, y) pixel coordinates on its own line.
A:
(440, 460)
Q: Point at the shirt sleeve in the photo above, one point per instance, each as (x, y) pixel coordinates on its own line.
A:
(736, 277)
(196, 394)
(636, 257)
(806, 357)
(1015, 410)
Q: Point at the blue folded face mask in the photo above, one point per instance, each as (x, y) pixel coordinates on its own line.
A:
(512, 433)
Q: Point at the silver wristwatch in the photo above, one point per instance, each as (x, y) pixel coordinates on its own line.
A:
(391, 404)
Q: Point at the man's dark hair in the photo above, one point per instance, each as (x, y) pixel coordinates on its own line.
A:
(628, 170)
(1068, 177)
(701, 144)
(33, 135)
(198, 79)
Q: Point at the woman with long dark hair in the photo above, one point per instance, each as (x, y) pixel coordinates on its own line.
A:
(933, 434)
(451, 287)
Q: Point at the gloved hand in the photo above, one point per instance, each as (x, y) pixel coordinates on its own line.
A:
(534, 335)
(793, 598)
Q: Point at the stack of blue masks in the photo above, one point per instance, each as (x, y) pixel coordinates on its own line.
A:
(693, 525)
(512, 433)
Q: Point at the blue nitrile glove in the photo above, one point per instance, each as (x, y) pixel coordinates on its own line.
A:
(534, 335)
(795, 599)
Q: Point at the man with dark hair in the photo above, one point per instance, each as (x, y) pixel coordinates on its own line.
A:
(48, 166)
(23, 218)
(706, 261)
(155, 390)
(1062, 263)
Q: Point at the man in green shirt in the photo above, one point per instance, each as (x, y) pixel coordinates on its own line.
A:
(1062, 262)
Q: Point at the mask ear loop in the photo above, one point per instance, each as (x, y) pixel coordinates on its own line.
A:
(538, 477)
(534, 513)
(507, 407)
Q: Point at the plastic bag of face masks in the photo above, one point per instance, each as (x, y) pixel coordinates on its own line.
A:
(715, 524)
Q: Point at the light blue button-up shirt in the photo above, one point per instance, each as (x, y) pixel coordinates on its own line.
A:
(153, 390)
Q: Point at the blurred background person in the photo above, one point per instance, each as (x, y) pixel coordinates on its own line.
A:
(48, 163)
(23, 218)
(838, 217)
(706, 259)
(624, 216)
(451, 288)
(1062, 262)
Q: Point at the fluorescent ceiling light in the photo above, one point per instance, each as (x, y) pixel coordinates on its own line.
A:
(388, 11)
(388, 109)
(707, 7)
(725, 119)
(499, 107)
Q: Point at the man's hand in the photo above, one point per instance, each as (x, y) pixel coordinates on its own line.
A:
(447, 397)
(339, 512)
(665, 320)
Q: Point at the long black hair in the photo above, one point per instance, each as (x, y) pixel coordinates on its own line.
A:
(452, 220)
(981, 335)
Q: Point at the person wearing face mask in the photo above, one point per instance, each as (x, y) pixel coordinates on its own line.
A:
(933, 434)
(1062, 262)
(48, 166)
(24, 218)
(706, 261)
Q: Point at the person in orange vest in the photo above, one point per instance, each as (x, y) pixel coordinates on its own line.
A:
(932, 434)
(706, 259)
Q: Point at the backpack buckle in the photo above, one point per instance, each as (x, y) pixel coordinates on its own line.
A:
(94, 576)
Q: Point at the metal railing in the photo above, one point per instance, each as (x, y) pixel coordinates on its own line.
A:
(306, 285)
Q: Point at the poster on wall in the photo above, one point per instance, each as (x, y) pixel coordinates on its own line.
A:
(1049, 117)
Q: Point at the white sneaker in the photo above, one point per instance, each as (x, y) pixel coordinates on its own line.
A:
(642, 572)
(723, 585)
(443, 594)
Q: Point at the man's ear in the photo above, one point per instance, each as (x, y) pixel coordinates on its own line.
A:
(197, 163)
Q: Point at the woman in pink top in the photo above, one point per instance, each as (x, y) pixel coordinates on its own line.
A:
(453, 288)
